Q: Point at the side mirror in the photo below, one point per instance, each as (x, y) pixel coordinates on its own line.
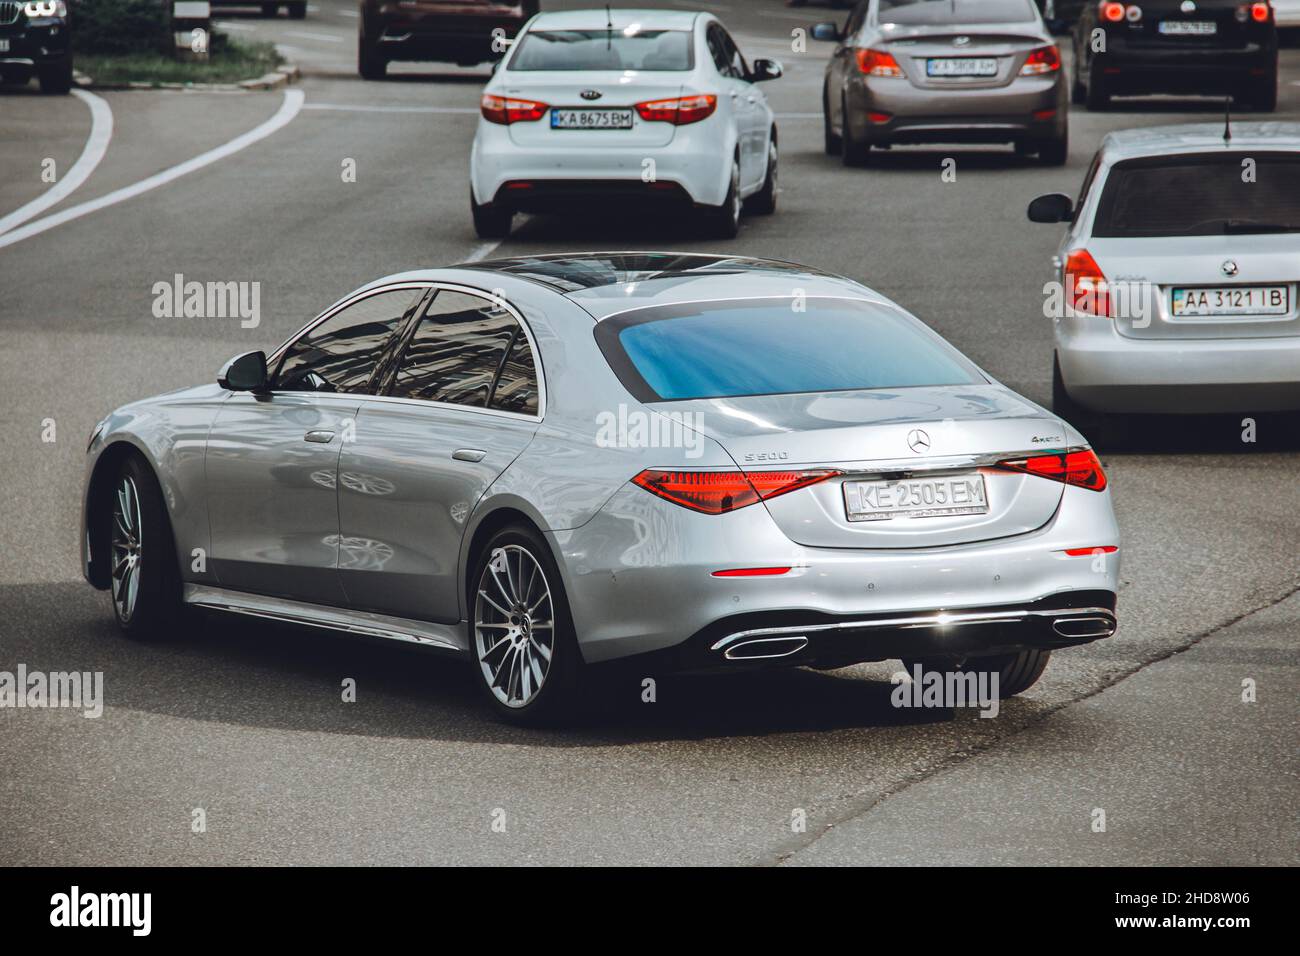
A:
(244, 373)
(765, 70)
(826, 30)
(1054, 207)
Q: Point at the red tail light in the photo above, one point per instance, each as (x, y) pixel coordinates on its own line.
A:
(679, 110)
(1114, 12)
(717, 492)
(1046, 59)
(1074, 468)
(504, 110)
(877, 63)
(1260, 12)
(1085, 284)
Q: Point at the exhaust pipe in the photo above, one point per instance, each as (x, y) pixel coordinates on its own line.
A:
(765, 648)
(1089, 626)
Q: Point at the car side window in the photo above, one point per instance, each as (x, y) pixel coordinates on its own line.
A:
(718, 49)
(342, 353)
(1087, 180)
(457, 352)
(735, 62)
(516, 388)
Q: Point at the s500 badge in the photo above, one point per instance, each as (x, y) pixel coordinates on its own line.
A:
(767, 456)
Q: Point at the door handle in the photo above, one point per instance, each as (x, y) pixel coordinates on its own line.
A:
(468, 454)
(320, 436)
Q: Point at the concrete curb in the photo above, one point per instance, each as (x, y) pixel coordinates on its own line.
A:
(282, 76)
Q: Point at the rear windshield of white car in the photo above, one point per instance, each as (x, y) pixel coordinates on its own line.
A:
(926, 12)
(774, 347)
(650, 50)
(1201, 195)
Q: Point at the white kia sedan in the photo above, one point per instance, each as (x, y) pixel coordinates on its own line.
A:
(593, 107)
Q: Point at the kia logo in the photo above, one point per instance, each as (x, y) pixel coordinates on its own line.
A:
(918, 441)
(1229, 268)
(1187, 6)
(961, 41)
(591, 94)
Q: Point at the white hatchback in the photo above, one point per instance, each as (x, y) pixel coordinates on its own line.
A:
(592, 107)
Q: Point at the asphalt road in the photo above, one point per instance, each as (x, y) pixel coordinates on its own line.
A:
(246, 721)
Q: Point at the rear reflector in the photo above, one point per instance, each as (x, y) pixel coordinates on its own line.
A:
(1074, 468)
(880, 117)
(718, 492)
(1102, 549)
(749, 572)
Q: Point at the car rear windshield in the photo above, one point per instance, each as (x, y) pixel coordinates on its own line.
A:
(652, 50)
(772, 347)
(939, 12)
(1201, 195)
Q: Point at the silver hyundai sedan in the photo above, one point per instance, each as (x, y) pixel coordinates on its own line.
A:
(943, 71)
(682, 462)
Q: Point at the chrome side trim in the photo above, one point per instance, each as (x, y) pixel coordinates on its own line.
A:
(444, 636)
(955, 618)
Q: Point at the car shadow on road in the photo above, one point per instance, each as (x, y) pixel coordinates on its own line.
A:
(236, 670)
(1197, 434)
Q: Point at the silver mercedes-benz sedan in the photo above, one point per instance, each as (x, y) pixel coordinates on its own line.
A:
(944, 71)
(683, 462)
(1178, 274)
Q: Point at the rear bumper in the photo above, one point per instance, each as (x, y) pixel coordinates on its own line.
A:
(695, 165)
(639, 579)
(1149, 69)
(1062, 620)
(1028, 108)
(1107, 372)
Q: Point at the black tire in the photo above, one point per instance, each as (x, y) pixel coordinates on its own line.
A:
(1016, 672)
(852, 152)
(1097, 96)
(1263, 94)
(57, 77)
(155, 611)
(1092, 425)
(371, 63)
(763, 202)
(1078, 93)
(297, 11)
(831, 139)
(270, 9)
(557, 698)
(1055, 151)
(723, 222)
(490, 222)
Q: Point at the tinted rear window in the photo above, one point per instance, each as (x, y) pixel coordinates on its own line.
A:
(938, 12)
(652, 50)
(1201, 196)
(766, 347)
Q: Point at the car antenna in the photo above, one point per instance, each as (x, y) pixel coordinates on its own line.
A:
(1227, 120)
(609, 27)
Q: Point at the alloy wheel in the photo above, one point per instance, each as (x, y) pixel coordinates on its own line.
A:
(514, 625)
(127, 548)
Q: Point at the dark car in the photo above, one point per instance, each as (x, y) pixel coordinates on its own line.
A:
(464, 32)
(1176, 46)
(36, 38)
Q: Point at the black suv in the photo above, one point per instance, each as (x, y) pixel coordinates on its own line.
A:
(467, 32)
(35, 37)
(1224, 47)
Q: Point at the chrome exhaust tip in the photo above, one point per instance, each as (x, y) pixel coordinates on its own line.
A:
(1084, 626)
(765, 648)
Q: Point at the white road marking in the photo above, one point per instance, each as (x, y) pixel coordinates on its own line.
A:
(324, 37)
(101, 132)
(289, 108)
(349, 108)
(348, 13)
(227, 25)
(483, 250)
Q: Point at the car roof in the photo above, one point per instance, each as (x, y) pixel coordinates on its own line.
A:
(598, 19)
(604, 283)
(1198, 138)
